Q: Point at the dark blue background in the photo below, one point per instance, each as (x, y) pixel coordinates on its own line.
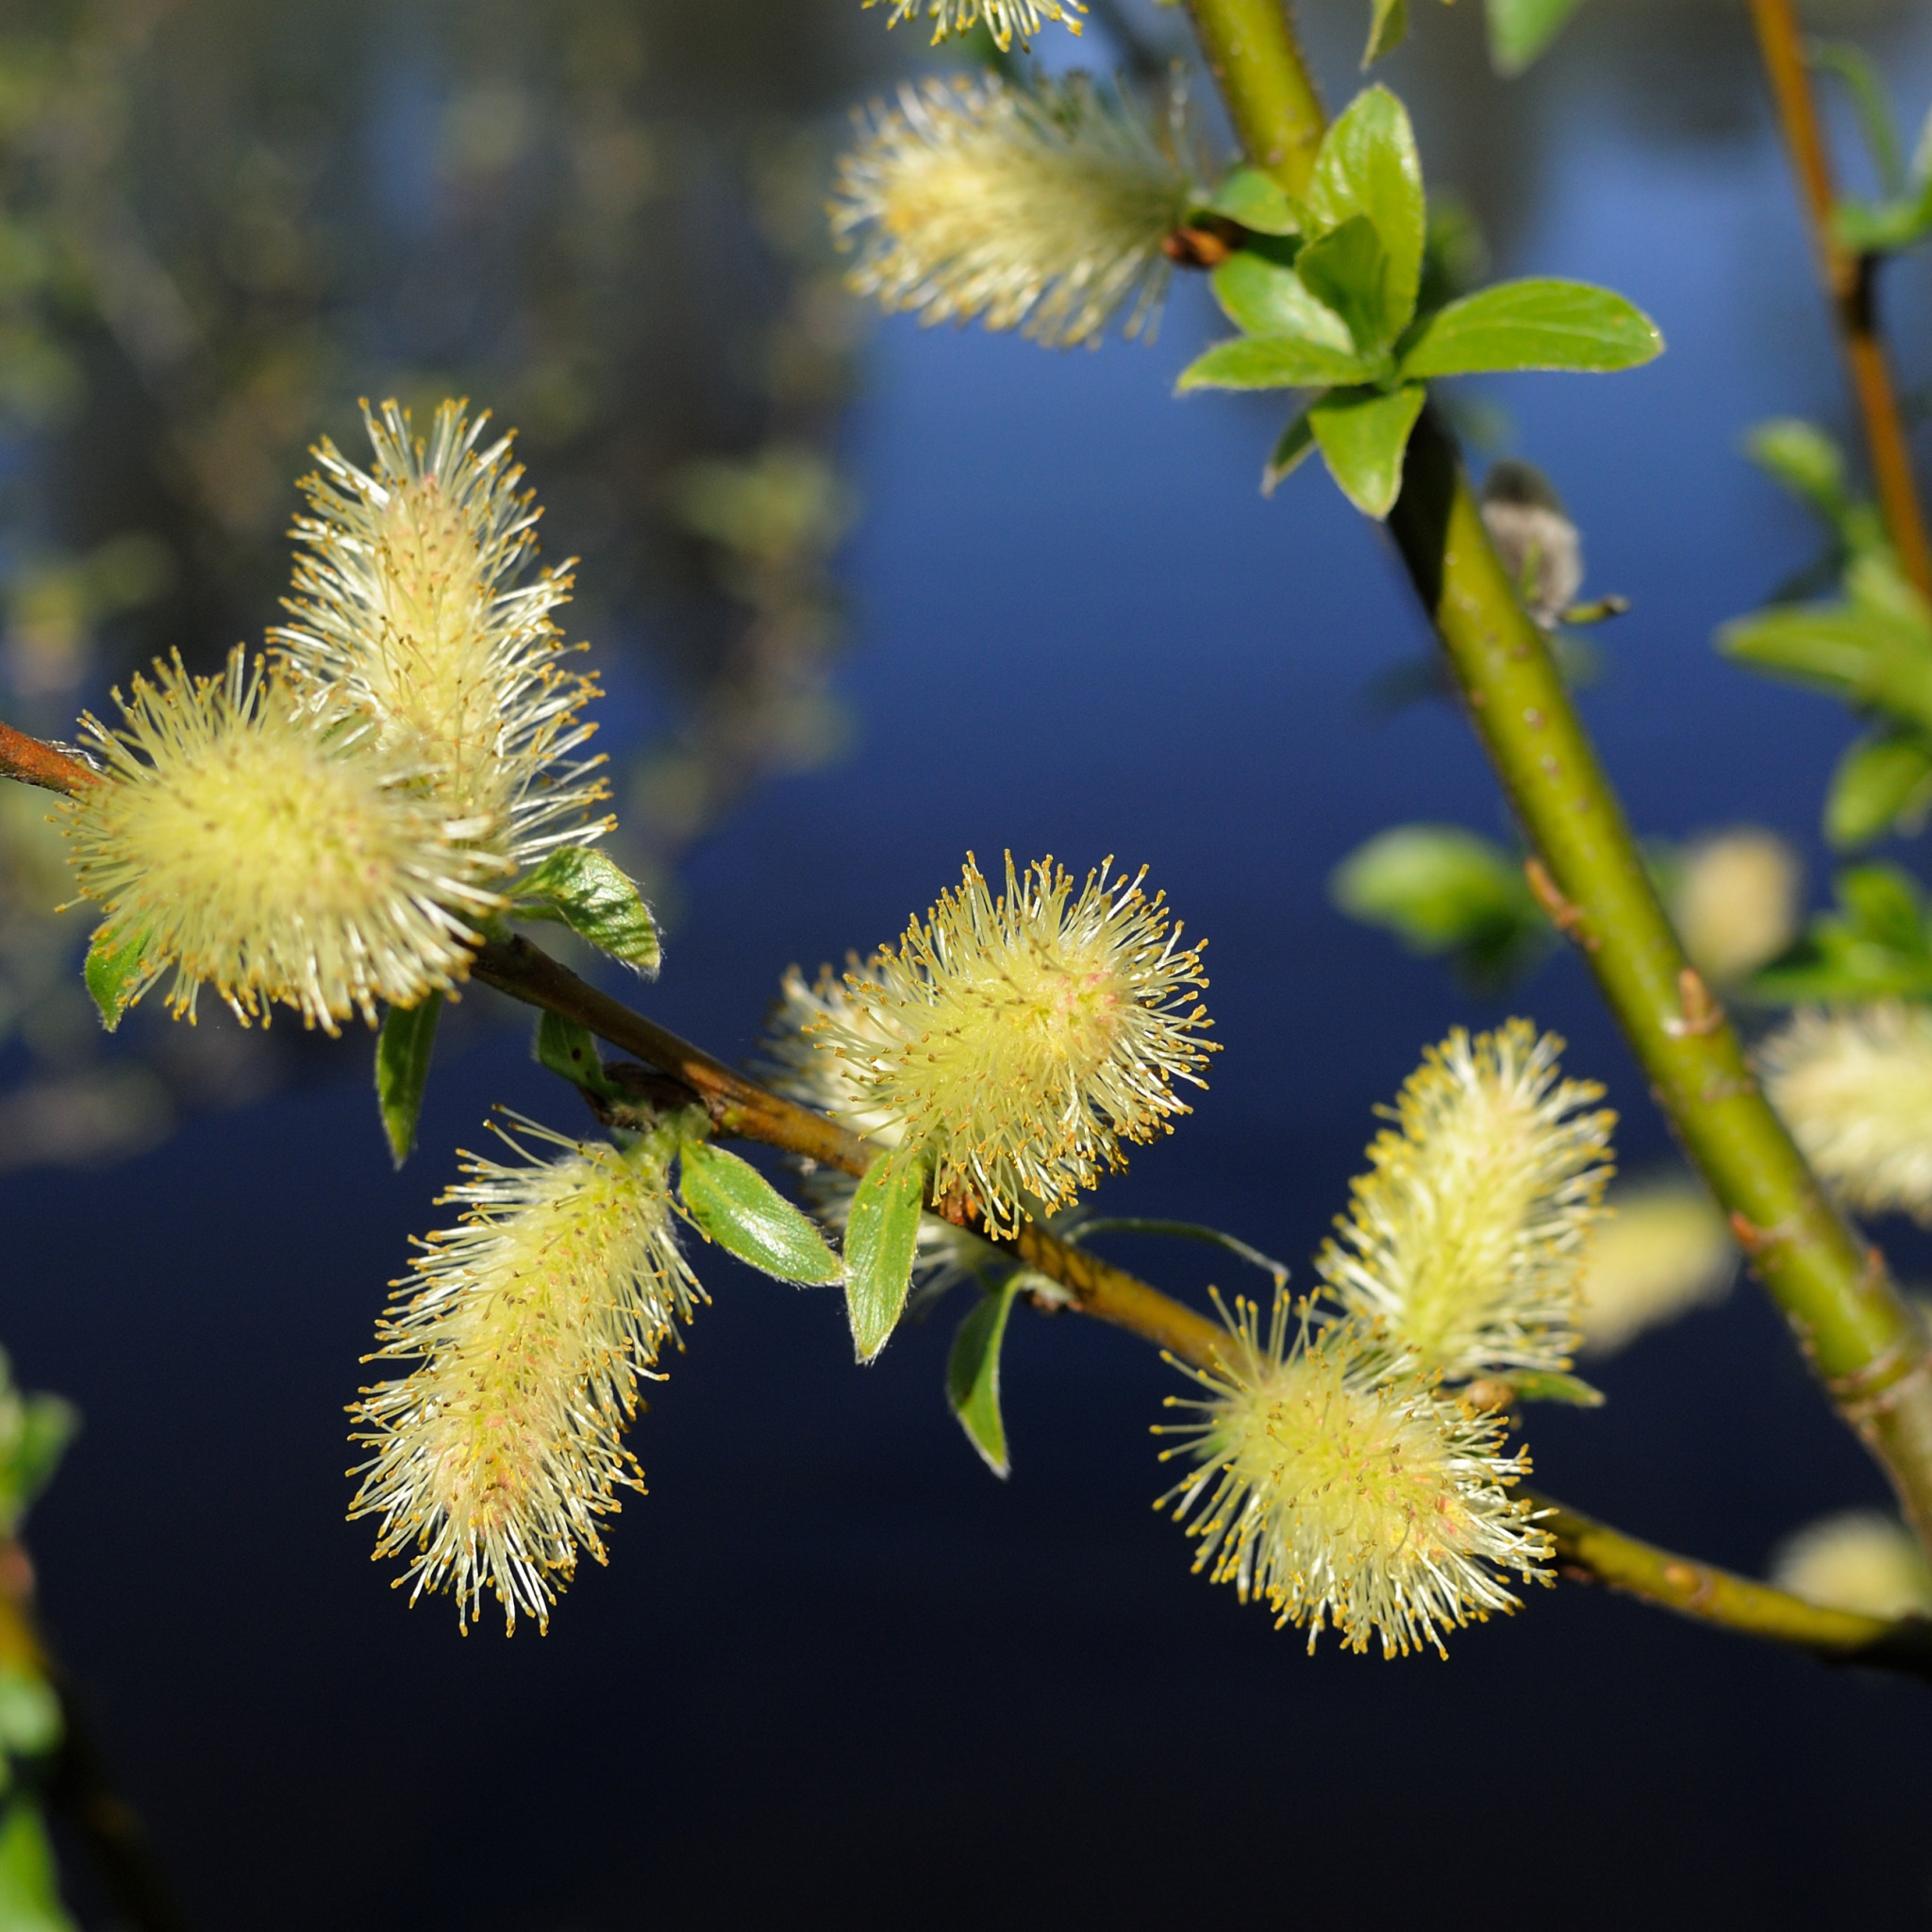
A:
(834, 1670)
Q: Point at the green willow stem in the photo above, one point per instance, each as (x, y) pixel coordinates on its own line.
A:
(1251, 51)
(1861, 1337)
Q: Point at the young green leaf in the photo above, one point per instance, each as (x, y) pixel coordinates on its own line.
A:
(1364, 434)
(1441, 889)
(881, 1239)
(1387, 29)
(1538, 323)
(1873, 946)
(1367, 165)
(1882, 783)
(1520, 29)
(1860, 652)
(1348, 272)
(1291, 451)
(569, 1049)
(118, 971)
(738, 1208)
(587, 893)
(39, 1429)
(1258, 202)
(1262, 298)
(973, 1375)
(1077, 1233)
(1806, 461)
(1271, 362)
(403, 1050)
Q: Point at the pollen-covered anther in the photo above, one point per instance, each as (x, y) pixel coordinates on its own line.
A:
(1341, 1487)
(1019, 1042)
(1003, 18)
(531, 1324)
(270, 849)
(1466, 1238)
(1042, 207)
(410, 605)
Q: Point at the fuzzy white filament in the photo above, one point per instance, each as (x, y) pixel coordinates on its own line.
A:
(271, 850)
(1020, 1040)
(531, 1323)
(1465, 1239)
(1037, 209)
(1338, 1485)
(411, 608)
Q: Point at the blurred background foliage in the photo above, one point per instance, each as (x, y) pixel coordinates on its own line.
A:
(223, 221)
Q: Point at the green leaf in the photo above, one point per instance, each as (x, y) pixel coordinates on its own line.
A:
(1291, 449)
(1861, 652)
(1258, 202)
(1538, 323)
(1883, 906)
(1262, 298)
(1882, 783)
(1387, 29)
(118, 971)
(1884, 227)
(973, 1375)
(587, 893)
(35, 1431)
(1367, 165)
(1364, 434)
(403, 1050)
(569, 1050)
(1441, 889)
(1271, 362)
(740, 1210)
(29, 1885)
(1875, 945)
(1806, 461)
(1547, 1385)
(1348, 272)
(1861, 80)
(1520, 29)
(881, 1239)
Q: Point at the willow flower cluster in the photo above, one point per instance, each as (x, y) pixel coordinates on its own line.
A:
(265, 847)
(412, 606)
(1339, 1486)
(1004, 18)
(1466, 1238)
(1018, 1042)
(1854, 1087)
(798, 1067)
(531, 1324)
(1042, 208)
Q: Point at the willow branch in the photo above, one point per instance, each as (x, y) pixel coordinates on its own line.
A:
(1594, 1552)
(1862, 1340)
(34, 762)
(1848, 281)
(1585, 1548)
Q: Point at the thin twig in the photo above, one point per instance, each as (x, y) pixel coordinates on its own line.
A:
(1848, 281)
(1585, 1548)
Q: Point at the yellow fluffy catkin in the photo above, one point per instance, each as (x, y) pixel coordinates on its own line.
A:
(410, 607)
(531, 1324)
(1018, 1042)
(1042, 207)
(1004, 18)
(1854, 1087)
(1341, 1487)
(1465, 1239)
(271, 850)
